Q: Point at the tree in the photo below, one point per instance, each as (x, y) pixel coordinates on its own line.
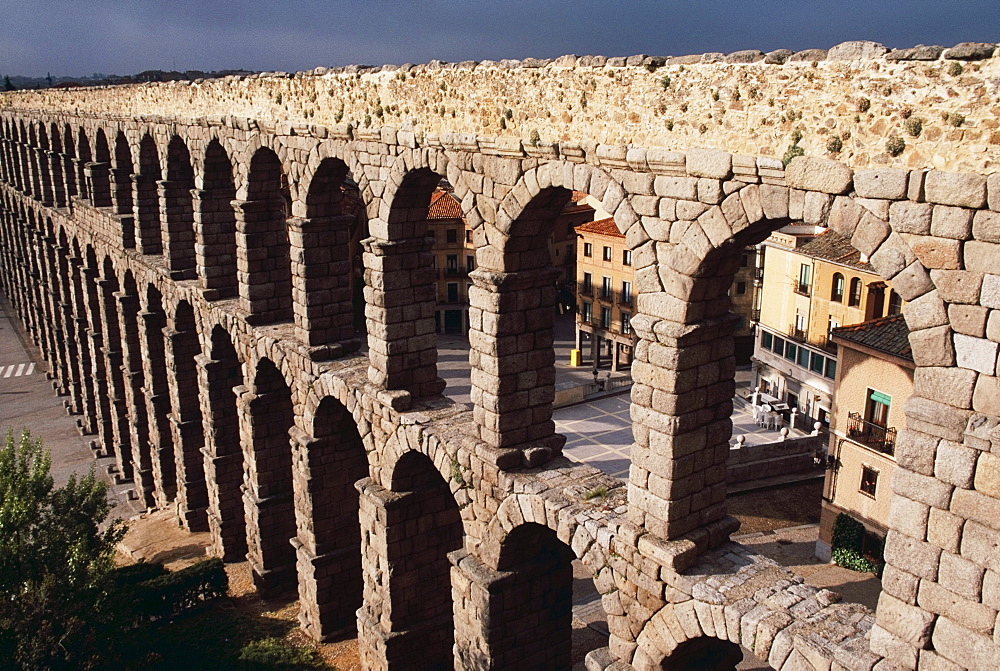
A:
(8, 85)
(55, 561)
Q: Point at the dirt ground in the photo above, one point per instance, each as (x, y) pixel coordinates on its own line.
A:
(778, 508)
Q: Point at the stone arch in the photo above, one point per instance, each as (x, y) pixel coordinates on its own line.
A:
(93, 309)
(220, 377)
(263, 248)
(114, 352)
(98, 171)
(176, 210)
(132, 341)
(676, 637)
(327, 465)
(149, 239)
(68, 166)
(44, 166)
(121, 187)
(157, 393)
(83, 157)
(412, 527)
(268, 415)
(183, 350)
(326, 249)
(215, 224)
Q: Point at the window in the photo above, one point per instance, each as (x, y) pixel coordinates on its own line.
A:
(766, 339)
(895, 303)
(626, 322)
(790, 351)
(779, 346)
(803, 359)
(741, 288)
(451, 235)
(627, 293)
(877, 408)
(452, 292)
(792, 400)
(607, 254)
(837, 292)
(805, 278)
(626, 257)
(800, 326)
(606, 288)
(588, 283)
(605, 318)
(831, 369)
(470, 263)
(854, 300)
(468, 236)
(587, 312)
(452, 264)
(744, 261)
(818, 363)
(588, 249)
(869, 481)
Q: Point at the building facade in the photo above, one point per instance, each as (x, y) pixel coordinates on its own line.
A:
(874, 380)
(813, 282)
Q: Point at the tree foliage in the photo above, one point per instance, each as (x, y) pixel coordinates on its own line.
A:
(8, 85)
(55, 560)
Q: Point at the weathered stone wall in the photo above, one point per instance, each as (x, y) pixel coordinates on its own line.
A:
(80, 252)
(742, 103)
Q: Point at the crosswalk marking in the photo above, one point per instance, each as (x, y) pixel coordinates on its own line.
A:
(17, 369)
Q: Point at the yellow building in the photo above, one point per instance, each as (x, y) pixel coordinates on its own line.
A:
(606, 299)
(874, 379)
(814, 281)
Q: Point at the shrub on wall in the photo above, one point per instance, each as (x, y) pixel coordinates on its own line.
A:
(848, 547)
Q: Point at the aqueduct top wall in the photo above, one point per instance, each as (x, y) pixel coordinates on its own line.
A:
(741, 103)
(158, 238)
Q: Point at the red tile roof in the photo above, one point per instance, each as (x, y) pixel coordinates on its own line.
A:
(601, 227)
(444, 206)
(886, 334)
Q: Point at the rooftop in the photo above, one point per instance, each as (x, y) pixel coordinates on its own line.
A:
(886, 334)
(444, 205)
(601, 227)
(835, 247)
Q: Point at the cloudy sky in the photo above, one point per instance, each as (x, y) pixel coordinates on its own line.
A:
(81, 37)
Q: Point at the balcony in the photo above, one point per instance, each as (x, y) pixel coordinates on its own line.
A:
(802, 288)
(585, 289)
(797, 334)
(879, 438)
(455, 272)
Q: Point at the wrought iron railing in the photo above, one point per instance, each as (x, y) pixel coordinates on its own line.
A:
(875, 436)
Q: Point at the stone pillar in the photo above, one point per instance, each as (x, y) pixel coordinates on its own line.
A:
(262, 264)
(34, 185)
(223, 457)
(157, 398)
(80, 175)
(268, 506)
(177, 232)
(146, 206)
(24, 184)
(389, 637)
(121, 190)
(102, 391)
(72, 338)
(513, 373)
(55, 169)
(98, 178)
(61, 366)
(214, 244)
(187, 433)
(681, 406)
(321, 284)
(328, 542)
(88, 404)
(115, 358)
(135, 399)
(399, 311)
(69, 177)
(44, 177)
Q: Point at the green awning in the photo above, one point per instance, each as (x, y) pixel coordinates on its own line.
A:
(879, 397)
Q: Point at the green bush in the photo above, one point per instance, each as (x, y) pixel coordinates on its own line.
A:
(275, 653)
(848, 543)
(854, 560)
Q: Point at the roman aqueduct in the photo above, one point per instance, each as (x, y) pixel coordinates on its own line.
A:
(182, 256)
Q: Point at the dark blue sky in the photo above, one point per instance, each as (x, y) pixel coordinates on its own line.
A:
(80, 37)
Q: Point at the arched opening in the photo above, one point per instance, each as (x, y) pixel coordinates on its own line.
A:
(177, 210)
(115, 356)
(88, 418)
(512, 355)
(326, 246)
(837, 288)
(121, 188)
(224, 465)
(73, 342)
(99, 171)
(704, 654)
(147, 200)
(215, 225)
(157, 394)
(105, 421)
(83, 157)
(264, 265)
(132, 336)
(68, 163)
(44, 167)
(55, 163)
(33, 168)
(534, 605)
(270, 510)
(189, 434)
(423, 525)
(329, 543)
(399, 277)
